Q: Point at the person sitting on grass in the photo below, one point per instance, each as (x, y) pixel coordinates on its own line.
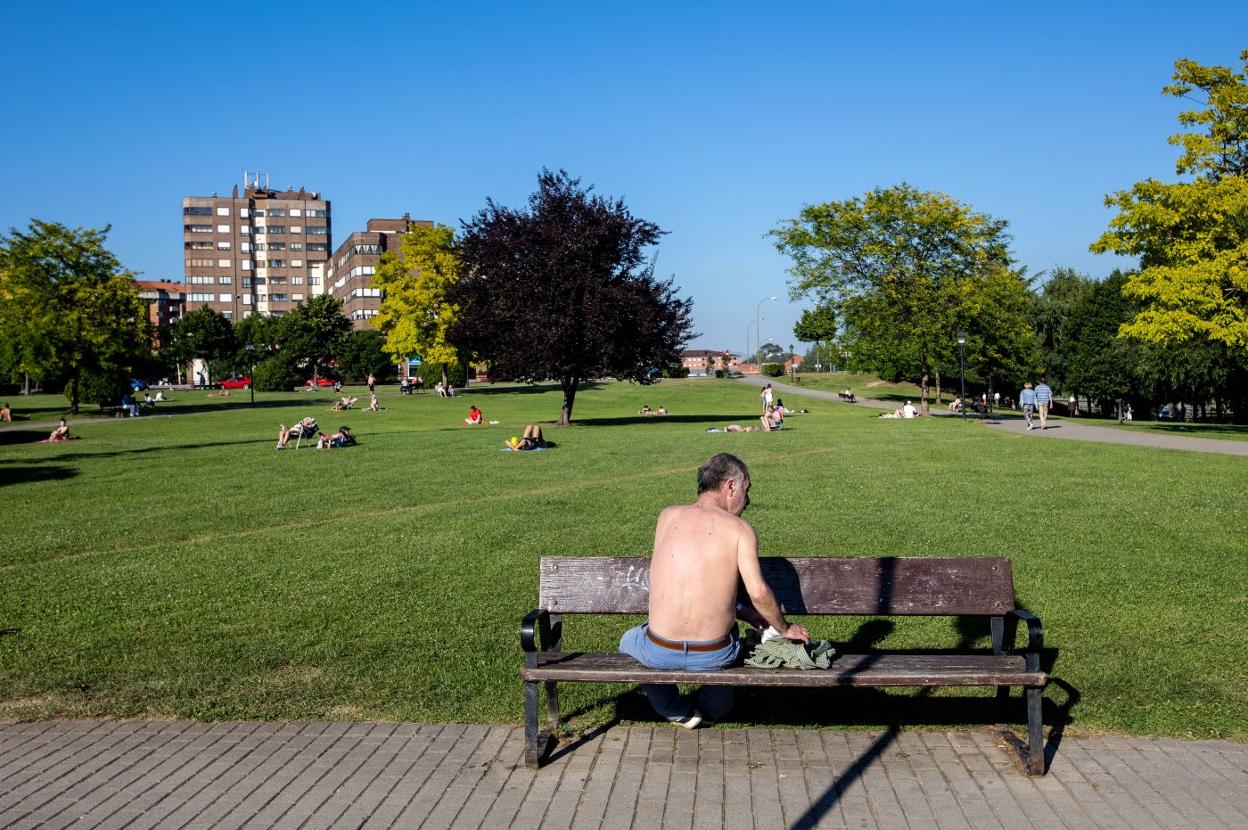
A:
(908, 411)
(61, 433)
(773, 419)
(6, 414)
(304, 429)
(645, 410)
(474, 416)
(372, 403)
(344, 403)
(160, 397)
(661, 411)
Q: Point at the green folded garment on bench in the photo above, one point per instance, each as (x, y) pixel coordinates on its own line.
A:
(789, 654)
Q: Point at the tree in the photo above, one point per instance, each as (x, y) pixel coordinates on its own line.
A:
(68, 306)
(415, 311)
(1095, 362)
(1049, 313)
(362, 353)
(207, 335)
(905, 270)
(311, 334)
(562, 290)
(1191, 237)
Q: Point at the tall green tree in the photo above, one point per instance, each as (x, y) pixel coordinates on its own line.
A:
(1191, 237)
(1049, 312)
(68, 307)
(564, 290)
(905, 270)
(311, 334)
(363, 353)
(207, 335)
(416, 312)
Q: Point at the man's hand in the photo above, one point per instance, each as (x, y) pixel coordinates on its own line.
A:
(796, 632)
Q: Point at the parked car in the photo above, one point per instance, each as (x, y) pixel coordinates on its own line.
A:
(137, 385)
(236, 382)
(320, 382)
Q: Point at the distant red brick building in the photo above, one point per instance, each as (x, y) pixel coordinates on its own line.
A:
(706, 361)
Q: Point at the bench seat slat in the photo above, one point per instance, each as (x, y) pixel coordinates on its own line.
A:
(847, 670)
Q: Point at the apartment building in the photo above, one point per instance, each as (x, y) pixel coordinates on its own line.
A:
(166, 302)
(349, 273)
(705, 361)
(258, 252)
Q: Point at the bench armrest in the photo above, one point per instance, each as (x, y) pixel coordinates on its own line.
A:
(539, 632)
(1035, 637)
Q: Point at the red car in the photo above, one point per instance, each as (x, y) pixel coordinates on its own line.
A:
(320, 382)
(236, 382)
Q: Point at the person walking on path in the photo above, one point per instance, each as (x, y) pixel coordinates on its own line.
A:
(1027, 400)
(1044, 399)
(766, 395)
(701, 550)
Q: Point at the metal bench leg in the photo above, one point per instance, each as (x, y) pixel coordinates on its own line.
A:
(1034, 761)
(535, 743)
(552, 705)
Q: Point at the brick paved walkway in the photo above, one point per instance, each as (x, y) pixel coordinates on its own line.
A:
(174, 774)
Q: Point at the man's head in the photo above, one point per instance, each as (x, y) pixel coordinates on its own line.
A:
(726, 476)
(1042, 380)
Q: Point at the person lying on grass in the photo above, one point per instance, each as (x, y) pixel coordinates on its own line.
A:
(532, 440)
(344, 403)
(734, 428)
(344, 437)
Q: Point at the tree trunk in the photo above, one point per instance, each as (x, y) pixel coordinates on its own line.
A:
(569, 397)
(939, 400)
(25, 383)
(924, 407)
(73, 397)
(444, 377)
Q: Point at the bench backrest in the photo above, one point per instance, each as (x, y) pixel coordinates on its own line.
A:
(917, 586)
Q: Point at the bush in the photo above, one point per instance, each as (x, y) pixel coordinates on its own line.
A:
(773, 370)
(676, 370)
(719, 373)
(431, 373)
(274, 375)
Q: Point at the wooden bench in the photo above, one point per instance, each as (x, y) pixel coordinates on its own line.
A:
(977, 587)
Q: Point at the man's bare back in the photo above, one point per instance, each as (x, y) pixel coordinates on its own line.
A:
(700, 550)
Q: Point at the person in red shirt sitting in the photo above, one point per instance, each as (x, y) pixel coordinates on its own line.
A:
(474, 416)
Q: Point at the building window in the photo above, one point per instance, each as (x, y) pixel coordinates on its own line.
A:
(223, 228)
(223, 280)
(317, 246)
(198, 280)
(223, 211)
(296, 229)
(277, 212)
(242, 213)
(318, 214)
(246, 282)
(296, 280)
(366, 249)
(197, 211)
(318, 231)
(277, 280)
(262, 298)
(224, 263)
(245, 265)
(277, 263)
(198, 228)
(244, 229)
(227, 314)
(259, 213)
(273, 230)
(246, 299)
(297, 297)
(278, 298)
(245, 247)
(225, 298)
(277, 246)
(223, 246)
(295, 212)
(314, 280)
(199, 246)
(202, 298)
(363, 270)
(296, 246)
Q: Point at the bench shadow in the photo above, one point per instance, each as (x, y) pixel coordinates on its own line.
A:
(26, 474)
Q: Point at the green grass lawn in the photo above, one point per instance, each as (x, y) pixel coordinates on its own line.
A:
(179, 566)
(1231, 432)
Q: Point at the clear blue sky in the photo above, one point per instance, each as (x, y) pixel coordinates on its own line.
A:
(716, 120)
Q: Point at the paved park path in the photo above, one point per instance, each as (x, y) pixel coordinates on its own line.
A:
(1068, 428)
(181, 774)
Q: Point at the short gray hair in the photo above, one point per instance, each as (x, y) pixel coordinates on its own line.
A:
(718, 469)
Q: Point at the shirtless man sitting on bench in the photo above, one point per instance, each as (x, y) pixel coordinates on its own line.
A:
(700, 549)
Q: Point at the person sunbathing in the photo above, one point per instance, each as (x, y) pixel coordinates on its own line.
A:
(372, 403)
(733, 428)
(645, 410)
(532, 440)
(773, 420)
(344, 403)
(304, 429)
(342, 438)
(662, 410)
(474, 416)
(61, 433)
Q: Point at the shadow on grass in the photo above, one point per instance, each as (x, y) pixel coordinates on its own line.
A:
(78, 456)
(22, 436)
(525, 389)
(41, 472)
(718, 419)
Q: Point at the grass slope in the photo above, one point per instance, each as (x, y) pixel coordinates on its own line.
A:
(179, 566)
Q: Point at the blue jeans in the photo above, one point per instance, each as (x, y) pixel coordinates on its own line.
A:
(713, 701)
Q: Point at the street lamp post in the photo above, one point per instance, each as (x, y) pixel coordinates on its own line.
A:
(747, 341)
(251, 378)
(758, 327)
(792, 365)
(962, 369)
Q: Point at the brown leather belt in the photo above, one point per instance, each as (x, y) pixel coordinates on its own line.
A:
(677, 646)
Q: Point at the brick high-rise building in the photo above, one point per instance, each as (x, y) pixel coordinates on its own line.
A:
(349, 274)
(165, 301)
(258, 253)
